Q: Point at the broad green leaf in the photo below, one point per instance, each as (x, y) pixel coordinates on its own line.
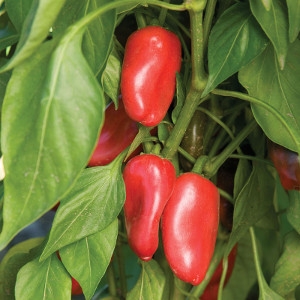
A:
(264, 80)
(294, 19)
(46, 280)
(98, 32)
(234, 41)
(293, 210)
(52, 113)
(274, 23)
(287, 272)
(35, 29)
(14, 259)
(18, 11)
(94, 202)
(150, 284)
(252, 203)
(88, 259)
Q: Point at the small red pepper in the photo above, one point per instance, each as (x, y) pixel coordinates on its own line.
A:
(151, 59)
(116, 135)
(149, 181)
(189, 227)
(287, 164)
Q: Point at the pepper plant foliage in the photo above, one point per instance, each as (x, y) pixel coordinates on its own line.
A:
(60, 65)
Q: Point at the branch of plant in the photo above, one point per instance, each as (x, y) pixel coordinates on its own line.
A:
(293, 134)
(207, 23)
(213, 165)
(163, 14)
(199, 78)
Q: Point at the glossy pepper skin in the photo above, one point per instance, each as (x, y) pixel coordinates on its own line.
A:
(116, 135)
(151, 59)
(149, 181)
(211, 291)
(192, 141)
(287, 164)
(189, 227)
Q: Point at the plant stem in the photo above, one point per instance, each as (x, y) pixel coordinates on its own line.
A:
(213, 167)
(198, 83)
(112, 286)
(209, 14)
(291, 131)
(163, 14)
(140, 20)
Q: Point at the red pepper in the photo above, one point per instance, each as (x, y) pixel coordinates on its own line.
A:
(287, 165)
(149, 182)
(148, 78)
(189, 227)
(116, 135)
(211, 291)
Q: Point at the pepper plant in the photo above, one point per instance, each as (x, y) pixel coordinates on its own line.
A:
(235, 91)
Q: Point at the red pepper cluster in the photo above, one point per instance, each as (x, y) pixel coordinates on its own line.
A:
(186, 207)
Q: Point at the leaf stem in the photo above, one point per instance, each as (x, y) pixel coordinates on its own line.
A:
(211, 168)
(293, 133)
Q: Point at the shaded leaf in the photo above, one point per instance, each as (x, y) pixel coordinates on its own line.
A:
(43, 280)
(10, 265)
(293, 210)
(35, 29)
(51, 121)
(92, 204)
(287, 273)
(150, 284)
(264, 80)
(294, 20)
(234, 41)
(252, 203)
(88, 259)
(274, 23)
(18, 11)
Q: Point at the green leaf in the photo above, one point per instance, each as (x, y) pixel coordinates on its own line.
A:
(293, 210)
(18, 11)
(92, 204)
(265, 292)
(287, 273)
(14, 259)
(234, 41)
(88, 259)
(150, 284)
(35, 29)
(267, 4)
(274, 23)
(8, 34)
(46, 280)
(98, 32)
(294, 20)
(243, 275)
(51, 121)
(252, 203)
(264, 80)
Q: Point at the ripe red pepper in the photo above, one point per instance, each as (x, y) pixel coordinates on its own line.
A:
(148, 78)
(287, 165)
(116, 135)
(211, 291)
(149, 181)
(189, 227)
